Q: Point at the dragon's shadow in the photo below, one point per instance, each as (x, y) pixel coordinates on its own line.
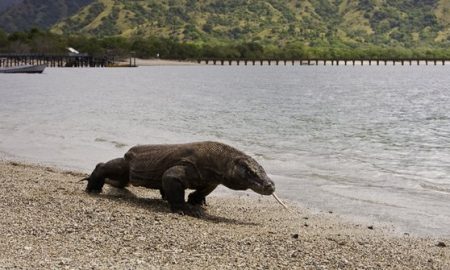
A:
(159, 205)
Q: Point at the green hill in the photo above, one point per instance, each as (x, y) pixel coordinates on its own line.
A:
(317, 22)
(321, 23)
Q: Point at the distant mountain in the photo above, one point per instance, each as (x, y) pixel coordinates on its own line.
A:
(4, 4)
(18, 15)
(315, 22)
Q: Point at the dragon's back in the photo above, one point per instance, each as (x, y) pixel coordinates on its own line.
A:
(149, 162)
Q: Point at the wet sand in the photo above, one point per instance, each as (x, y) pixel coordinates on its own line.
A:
(47, 221)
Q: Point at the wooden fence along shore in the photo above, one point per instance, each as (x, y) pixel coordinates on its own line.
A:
(333, 62)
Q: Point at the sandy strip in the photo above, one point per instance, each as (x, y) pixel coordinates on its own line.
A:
(47, 221)
(158, 62)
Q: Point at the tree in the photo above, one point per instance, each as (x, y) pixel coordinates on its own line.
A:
(3, 39)
(295, 50)
(143, 48)
(116, 46)
(250, 50)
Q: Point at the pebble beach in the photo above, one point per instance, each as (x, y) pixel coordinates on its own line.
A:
(47, 221)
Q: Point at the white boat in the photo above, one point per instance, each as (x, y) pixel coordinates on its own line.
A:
(24, 69)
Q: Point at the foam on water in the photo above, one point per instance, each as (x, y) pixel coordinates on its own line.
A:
(371, 143)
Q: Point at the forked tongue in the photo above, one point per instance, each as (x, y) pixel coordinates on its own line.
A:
(279, 201)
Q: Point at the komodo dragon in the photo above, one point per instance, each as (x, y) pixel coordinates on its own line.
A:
(173, 168)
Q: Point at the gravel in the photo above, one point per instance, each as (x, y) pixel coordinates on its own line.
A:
(47, 221)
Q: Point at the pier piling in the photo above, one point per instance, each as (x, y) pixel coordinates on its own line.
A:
(8, 60)
(306, 61)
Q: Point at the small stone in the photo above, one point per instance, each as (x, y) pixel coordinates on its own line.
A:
(294, 254)
(141, 238)
(295, 236)
(441, 244)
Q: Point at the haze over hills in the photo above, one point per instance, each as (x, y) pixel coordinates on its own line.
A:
(4, 4)
(18, 15)
(316, 22)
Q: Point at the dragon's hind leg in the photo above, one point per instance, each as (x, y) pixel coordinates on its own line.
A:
(114, 172)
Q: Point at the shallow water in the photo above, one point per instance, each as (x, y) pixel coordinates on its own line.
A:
(371, 143)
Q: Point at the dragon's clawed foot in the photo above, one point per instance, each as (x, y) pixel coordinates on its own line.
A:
(191, 210)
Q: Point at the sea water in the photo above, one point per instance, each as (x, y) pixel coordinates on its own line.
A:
(370, 143)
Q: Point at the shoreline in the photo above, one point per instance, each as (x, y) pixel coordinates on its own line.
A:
(171, 62)
(158, 62)
(48, 221)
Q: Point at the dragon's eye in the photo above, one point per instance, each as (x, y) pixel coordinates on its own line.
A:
(249, 173)
(242, 170)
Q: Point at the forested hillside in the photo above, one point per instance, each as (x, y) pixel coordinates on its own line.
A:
(349, 22)
(4, 4)
(18, 15)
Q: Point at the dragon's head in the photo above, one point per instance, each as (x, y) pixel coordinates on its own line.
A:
(248, 174)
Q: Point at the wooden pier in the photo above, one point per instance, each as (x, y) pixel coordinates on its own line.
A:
(324, 62)
(80, 60)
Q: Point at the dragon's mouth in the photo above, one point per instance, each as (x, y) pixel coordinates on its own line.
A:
(262, 186)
